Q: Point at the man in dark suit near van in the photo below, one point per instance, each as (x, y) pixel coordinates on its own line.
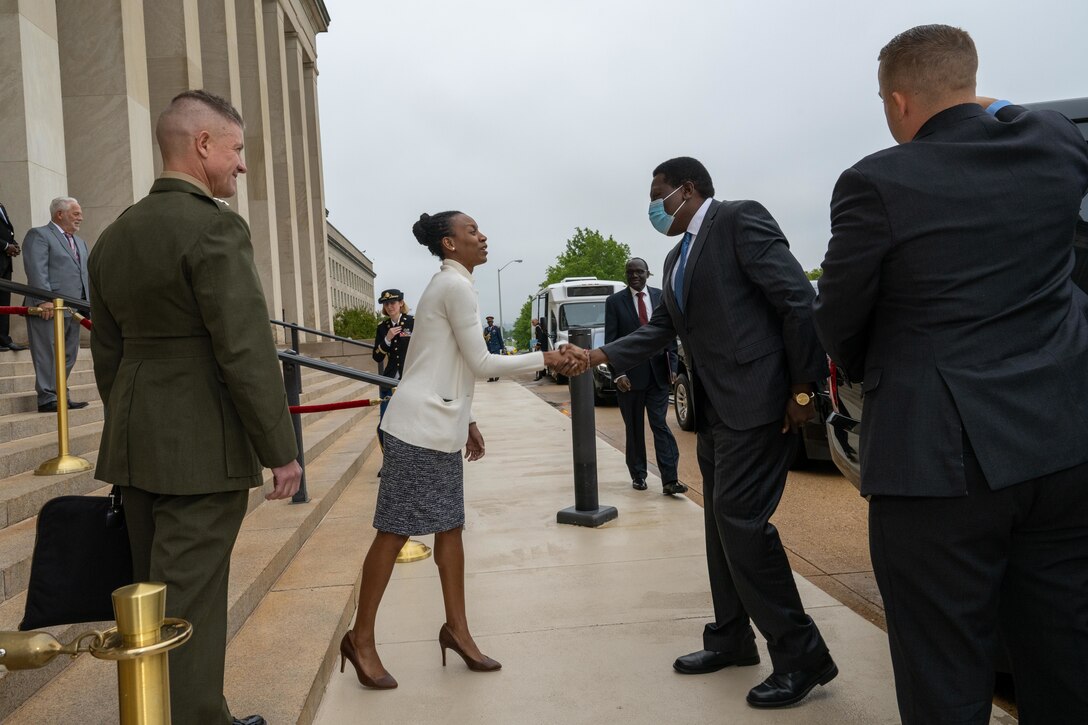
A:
(742, 307)
(946, 288)
(642, 391)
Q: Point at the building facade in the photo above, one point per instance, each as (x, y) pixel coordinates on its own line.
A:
(351, 274)
(84, 82)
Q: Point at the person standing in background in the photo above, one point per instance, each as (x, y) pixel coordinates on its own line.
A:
(9, 250)
(391, 347)
(493, 338)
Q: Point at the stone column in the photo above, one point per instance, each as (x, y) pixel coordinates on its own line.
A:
(219, 54)
(317, 199)
(261, 181)
(296, 94)
(282, 160)
(174, 62)
(107, 122)
(33, 167)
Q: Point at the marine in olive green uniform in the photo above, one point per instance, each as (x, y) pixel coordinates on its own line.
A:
(185, 361)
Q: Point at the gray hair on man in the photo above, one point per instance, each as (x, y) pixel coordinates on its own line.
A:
(61, 203)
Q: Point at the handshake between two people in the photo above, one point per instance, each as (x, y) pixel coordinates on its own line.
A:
(567, 360)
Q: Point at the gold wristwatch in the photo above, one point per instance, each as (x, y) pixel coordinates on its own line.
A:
(802, 399)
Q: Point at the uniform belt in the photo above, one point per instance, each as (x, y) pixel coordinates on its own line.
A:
(152, 348)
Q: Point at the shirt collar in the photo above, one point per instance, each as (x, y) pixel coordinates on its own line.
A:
(697, 221)
(634, 294)
(457, 267)
(181, 176)
(57, 227)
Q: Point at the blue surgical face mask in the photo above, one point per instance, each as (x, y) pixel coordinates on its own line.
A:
(661, 219)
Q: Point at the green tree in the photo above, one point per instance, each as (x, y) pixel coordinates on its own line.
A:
(358, 323)
(587, 254)
(815, 273)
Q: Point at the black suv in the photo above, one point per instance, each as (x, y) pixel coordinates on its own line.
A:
(847, 401)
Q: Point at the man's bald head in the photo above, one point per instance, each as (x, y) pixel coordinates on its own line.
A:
(189, 114)
(201, 135)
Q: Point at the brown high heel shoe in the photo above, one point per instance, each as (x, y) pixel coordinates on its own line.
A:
(347, 651)
(446, 640)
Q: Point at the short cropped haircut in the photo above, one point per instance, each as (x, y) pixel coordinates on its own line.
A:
(684, 168)
(219, 105)
(929, 59)
(61, 203)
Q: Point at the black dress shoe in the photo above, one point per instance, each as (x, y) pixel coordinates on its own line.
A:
(77, 404)
(639, 484)
(787, 688)
(673, 487)
(16, 347)
(250, 720)
(704, 661)
(50, 407)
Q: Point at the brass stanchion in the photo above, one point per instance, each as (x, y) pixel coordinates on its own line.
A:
(139, 645)
(413, 551)
(63, 463)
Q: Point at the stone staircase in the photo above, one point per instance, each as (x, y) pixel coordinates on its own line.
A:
(293, 570)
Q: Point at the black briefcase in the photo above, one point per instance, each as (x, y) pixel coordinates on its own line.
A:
(81, 555)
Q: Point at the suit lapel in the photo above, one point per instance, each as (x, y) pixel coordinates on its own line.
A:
(63, 241)
(697, 248)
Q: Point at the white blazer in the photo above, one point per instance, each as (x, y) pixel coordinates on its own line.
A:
(432, 405)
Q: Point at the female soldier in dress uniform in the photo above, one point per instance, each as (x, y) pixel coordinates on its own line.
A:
(391, 346)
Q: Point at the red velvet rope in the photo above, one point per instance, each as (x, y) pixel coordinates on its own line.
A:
(85, 322)
(332, 406)
(13, 310)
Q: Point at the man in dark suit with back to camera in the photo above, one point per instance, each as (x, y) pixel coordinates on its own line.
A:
(946, 288)
(186, 364)
(54, 259)
(642, 391)
(9, 250)
(742, 307)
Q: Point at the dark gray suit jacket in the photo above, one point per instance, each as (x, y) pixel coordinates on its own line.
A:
(747, 325)
(50, 264)
(620, 320)
(946, 287)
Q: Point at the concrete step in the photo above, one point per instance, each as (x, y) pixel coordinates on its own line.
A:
(29, 492)
(315, 596)
(27, 402)
(25, 454)
(25, 383)
(11, 366)
(16, 426)
(271, 536)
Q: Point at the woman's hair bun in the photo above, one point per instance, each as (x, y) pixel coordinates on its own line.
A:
(430, 230)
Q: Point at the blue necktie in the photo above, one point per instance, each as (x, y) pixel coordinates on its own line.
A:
(678, 288)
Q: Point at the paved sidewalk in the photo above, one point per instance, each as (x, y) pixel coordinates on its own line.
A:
(586, 622)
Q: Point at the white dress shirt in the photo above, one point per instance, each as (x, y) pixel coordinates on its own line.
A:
(694, 226)
(432, 406)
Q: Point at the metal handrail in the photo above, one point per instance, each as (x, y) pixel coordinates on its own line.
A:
(44, 294)
(295, 329)
(292, 383)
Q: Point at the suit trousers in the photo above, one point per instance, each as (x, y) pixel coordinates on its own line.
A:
(635, 407)
(186, 542)
(42, 350)
(744, 474)
(5, 300)
(957, 573)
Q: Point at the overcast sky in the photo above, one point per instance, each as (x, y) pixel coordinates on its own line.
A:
(536, 118)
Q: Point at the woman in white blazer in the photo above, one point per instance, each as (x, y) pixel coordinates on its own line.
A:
(428, 421)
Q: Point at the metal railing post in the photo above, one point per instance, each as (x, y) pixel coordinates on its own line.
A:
(292, 383)
(64, 462)
(586, 511)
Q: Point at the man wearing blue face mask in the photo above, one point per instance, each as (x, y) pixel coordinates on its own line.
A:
(742, 306)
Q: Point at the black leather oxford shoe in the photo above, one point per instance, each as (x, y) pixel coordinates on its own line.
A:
(639, 484)
(787, 688)
(250, 720)
(673, 487)
(704, 661)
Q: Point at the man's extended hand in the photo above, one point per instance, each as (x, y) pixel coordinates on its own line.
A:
(285, 481)
(597, 357)
(567, 360)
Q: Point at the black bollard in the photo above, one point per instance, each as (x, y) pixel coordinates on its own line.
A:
(292, 383)
(586, 510)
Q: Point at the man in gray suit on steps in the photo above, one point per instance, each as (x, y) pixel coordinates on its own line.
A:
(54, 259)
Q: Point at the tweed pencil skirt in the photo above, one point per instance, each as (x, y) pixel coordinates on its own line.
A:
(422, 491)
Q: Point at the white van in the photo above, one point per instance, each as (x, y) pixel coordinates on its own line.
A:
(573, 302)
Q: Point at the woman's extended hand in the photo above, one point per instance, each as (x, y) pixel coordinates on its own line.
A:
(474, 446)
